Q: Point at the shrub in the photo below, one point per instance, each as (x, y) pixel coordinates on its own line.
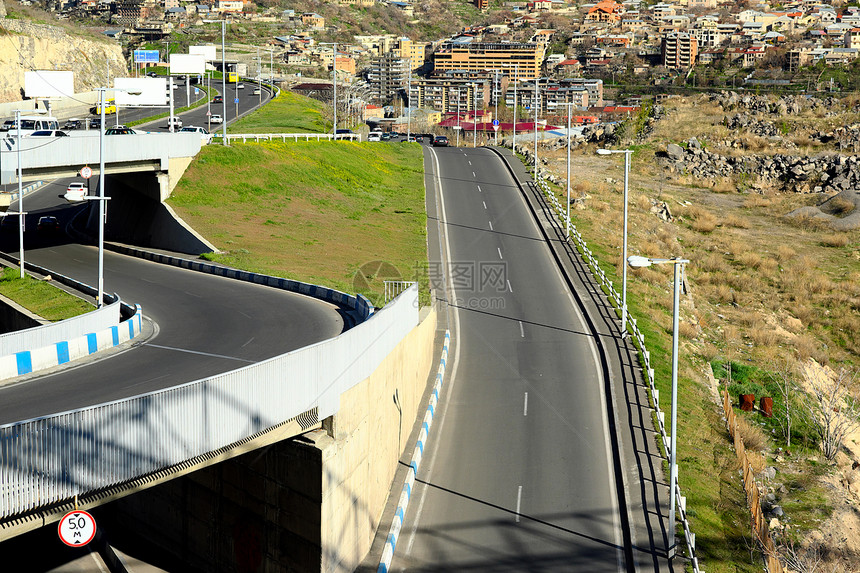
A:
(835, 240)
(754, 438)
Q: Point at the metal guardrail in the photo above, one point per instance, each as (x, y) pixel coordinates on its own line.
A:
(639, 338)
(393, 288)
(257, 137)
(51, 459)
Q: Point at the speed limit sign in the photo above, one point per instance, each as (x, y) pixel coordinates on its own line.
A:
(77, 528)
(86, 172)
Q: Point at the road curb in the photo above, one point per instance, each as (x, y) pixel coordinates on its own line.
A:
(412, 470)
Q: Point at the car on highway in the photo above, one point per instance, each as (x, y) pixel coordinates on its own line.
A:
(440, 141)
(386, 136)
(215, 118)
(48, 224)
(49, 133)
(257, 91)
(240, 86)
(8, 223)
(409, 139)
(374, 136)
(175, 122)
(75, 123)
(96, 122)
(204, 134)
(152, 75)
(120, 130)
(218, 99)
(75, 192)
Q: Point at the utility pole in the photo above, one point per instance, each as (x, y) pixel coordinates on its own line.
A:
(537, 105)
(516, 81)
(409, 101)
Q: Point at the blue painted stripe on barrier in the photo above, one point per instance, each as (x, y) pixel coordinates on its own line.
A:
(444, 364)
(92, 343)
(391, 540)
(131, 329)
(114, 334)
(414, 465)
(25, 362)
(426, 427)
(62, 352)
(400, 514)
(408, 489)
(421, 447)
(432, 410)
(382, 568)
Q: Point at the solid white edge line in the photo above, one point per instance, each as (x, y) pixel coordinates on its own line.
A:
(509, 285)
(613, 494)
(519, 501)
(526, 404)
(455, 335)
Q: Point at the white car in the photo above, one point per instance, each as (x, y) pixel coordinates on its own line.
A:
(374, 136)
(205, 135)
(215, 118)
(75, 192)
(257, 91)
(175, 122)
(240, 86)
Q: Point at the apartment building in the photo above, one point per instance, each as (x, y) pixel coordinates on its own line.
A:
(679, 50)
(507, 57)
(852, 38)
(387, 76)
(553, 97)
(449, 94)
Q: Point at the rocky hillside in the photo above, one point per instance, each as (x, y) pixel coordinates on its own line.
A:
(31, 46)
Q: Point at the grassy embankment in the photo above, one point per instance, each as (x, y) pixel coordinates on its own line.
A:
(40, 297)
(324, 213)
(287, 113)
(765, 292)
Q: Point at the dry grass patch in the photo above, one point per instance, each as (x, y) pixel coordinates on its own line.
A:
(836, 240)
(702, 221)
(736, 221)
(785, 253)
(643, 202)
(749, 259)
(714, 263)
(757, 200)
(841, 206)
(753, 436)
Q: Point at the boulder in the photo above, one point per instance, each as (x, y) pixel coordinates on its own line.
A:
(675, 152)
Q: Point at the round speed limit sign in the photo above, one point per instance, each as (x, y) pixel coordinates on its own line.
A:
(86, 172)
(77, 528)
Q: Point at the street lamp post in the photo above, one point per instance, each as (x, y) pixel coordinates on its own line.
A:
(459, 127)
(537, 105)
(496, 91)
(516, 81)
(21, 213)
(334, 83)
(627, 153)
(409, 101)
(637, 262)
(475, 119)
(567, 230)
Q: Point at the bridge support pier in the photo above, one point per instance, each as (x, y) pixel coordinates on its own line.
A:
(307, 504)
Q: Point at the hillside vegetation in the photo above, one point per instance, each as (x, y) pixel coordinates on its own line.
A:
(768, 297)
(345, 215)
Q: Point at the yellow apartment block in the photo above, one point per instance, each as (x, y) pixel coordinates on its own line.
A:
(525, 58)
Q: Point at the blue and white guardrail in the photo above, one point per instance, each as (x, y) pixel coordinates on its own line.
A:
(412, 471)
(28, 361)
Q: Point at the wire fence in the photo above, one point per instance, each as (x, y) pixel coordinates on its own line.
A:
(758, 521)
(639, 339)
(257, 137)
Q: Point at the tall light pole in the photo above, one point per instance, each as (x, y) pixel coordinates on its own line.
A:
(567, 230)
(636, 262)
(475, 119)
(497, 93)
(627, 153)
(223, 83)
(409, 101)
(516, 81)
(334, 83)
(102, 198)
(21, 213)
(459, 127)
(537, 105)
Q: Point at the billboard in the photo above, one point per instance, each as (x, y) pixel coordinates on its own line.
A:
(49, 83)
(146, 57)
(153, 91)
(187, 64)
(208, 52)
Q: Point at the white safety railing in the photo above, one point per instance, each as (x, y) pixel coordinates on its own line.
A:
(51, 459)
(393, 288)
(257, 137)
(639, 338)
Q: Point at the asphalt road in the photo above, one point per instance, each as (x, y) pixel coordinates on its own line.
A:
(518, 474)
(205, 324)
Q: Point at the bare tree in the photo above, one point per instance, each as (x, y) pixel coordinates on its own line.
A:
(830, 404)
(803, 560)
(788, 389)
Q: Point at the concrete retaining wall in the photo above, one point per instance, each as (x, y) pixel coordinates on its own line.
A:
(309, 504)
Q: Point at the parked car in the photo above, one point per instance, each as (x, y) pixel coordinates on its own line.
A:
(49, 133)
(218, 99)
(75, 123)
(440, 141)
(374, 136)
(215, 118)
(120, 130)
(175, 122)
(9, 223)
(48, 224)
(152, 74)
(96, 122)
(7, 125)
